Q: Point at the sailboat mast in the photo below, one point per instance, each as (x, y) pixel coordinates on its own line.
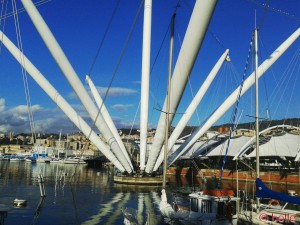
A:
(256, 102)
(219, 112)
(194, 36)
(256, 107)
(168, 102)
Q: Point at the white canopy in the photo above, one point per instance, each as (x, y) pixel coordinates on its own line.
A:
(286, 145)
(236, 144)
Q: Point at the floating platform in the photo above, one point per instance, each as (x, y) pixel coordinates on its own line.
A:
(136, 180)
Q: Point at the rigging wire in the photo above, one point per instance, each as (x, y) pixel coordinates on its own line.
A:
(264, 14)
(103, 38)
(135, 116)
(106, 94)
(279, 88)
(24, 73)
(267, 7)
(6, 15)
(115, 70)
(234, 113)
(235, 72)
(292, 68)
(217, 39)
(267, 106)
(3, 11)
(156, 58)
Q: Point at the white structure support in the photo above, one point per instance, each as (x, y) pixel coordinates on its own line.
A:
(107, 117)
(59, 100)
(74, 80)
(233, 97)
(193, 39)
(145, 82)
(192, 107)
(241, 152)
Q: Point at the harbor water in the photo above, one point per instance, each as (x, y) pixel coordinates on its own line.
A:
(77, 194)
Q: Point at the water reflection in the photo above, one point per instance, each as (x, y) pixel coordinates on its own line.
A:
(76, 194)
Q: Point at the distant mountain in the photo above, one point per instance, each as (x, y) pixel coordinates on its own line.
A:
(251, 125)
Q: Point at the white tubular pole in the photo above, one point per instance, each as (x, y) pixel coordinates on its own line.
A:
(73, 79)
(59, 100)
(192, 107)
(233, 97)
(107, 117)
(145, 82)
(193, 39)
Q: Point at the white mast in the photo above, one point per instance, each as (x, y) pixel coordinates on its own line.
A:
(195, 33)
(107, 117)
(165, 151)
(59, 100)
(232, 98)
(192, 107)
(256, 108)
(74, 81)
(145, 82)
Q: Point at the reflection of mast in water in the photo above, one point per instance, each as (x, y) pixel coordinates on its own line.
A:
(39, 169)
(59, 179)
(106, 209)
(120, 206)
(151, 217)
(38, 209)
(155, 197)
(140, 208)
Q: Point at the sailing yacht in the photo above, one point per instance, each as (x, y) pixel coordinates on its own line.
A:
(272, 212)
(206, 207)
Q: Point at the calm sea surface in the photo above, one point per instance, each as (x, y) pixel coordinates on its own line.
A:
(77, 194)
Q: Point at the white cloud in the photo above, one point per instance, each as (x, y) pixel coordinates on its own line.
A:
(2, 104)
(122, 107)
(116, 91)
(121, 123)
(113, 92)
(16, 119)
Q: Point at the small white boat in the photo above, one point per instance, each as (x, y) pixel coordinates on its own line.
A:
(14, 159)
(207, 207)
(30, 159)
(56, 160)
(20, 202)
(43, 160)
(74, 160)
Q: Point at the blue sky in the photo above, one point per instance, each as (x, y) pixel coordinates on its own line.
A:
(79, 27)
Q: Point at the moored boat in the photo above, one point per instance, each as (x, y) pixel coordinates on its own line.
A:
(73, 160)
(43, 160)
(30, 159)
(217, 207)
